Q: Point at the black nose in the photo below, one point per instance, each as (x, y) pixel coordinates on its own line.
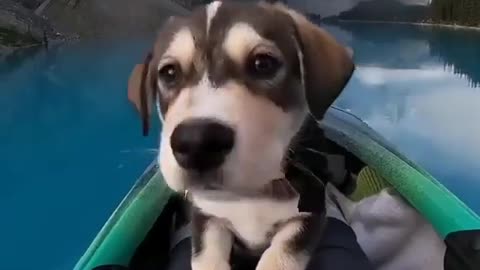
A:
(201, 144)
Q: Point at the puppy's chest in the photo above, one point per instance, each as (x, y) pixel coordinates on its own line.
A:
(251, 220)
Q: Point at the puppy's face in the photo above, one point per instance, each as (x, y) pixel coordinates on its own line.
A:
(234, 83)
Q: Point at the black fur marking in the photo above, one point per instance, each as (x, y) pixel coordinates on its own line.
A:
(144, 96)
(242, 257)
(199, 225)
(307, 169)
(308, 239)
(286, 91)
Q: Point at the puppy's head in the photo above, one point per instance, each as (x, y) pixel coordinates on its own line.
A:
(234, 83)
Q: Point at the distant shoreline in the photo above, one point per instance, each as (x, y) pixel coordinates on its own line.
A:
(451, 26)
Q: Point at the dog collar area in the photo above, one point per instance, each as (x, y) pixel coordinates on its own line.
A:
(278, 189)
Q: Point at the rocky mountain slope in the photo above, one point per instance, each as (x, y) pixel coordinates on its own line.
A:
(380, 10)
(19, 26)
(31, 22)
(88, 18)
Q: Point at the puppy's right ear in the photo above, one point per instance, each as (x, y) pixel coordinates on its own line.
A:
(140, 92)
(328, 65)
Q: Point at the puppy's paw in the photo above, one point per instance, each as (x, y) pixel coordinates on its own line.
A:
(275, 258)
(209, 264)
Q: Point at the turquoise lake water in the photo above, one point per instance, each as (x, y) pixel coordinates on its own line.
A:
(419, 87)
(71, 144)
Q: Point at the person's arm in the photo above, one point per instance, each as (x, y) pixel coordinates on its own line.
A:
(339, 250)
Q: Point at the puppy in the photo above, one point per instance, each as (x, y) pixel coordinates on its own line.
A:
(237, 85)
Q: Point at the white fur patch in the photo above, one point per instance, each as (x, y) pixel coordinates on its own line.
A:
(181, 48)
(217, 244)
(240, 40)
(250, 218)
(276, 256)
(159, 110)
(212, 9)
(287, 232)
(261, 129)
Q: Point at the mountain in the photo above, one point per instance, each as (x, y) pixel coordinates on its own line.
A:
(24, 23)
(20, 26)
(102, 18)
(313, 16)
(381, 10)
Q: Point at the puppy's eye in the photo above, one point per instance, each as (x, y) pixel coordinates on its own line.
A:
(169, 74)
(263, 66)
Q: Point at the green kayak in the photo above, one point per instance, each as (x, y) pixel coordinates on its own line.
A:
(145, 214)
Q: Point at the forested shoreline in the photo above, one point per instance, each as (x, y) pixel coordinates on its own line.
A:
(462, 12)
(446, 12)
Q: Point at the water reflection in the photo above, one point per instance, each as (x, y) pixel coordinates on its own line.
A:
(421, 90)
(71, 147)
(406, 46)
(16, 59)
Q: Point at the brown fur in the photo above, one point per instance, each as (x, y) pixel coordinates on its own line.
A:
(265, 113)
(327, 64)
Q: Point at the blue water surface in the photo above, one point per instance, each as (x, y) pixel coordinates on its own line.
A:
(71, 144)
(71, 148)
(419, 87)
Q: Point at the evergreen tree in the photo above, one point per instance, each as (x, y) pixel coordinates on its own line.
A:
(464, 12)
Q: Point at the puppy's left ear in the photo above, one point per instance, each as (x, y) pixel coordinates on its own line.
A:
(328, 66)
